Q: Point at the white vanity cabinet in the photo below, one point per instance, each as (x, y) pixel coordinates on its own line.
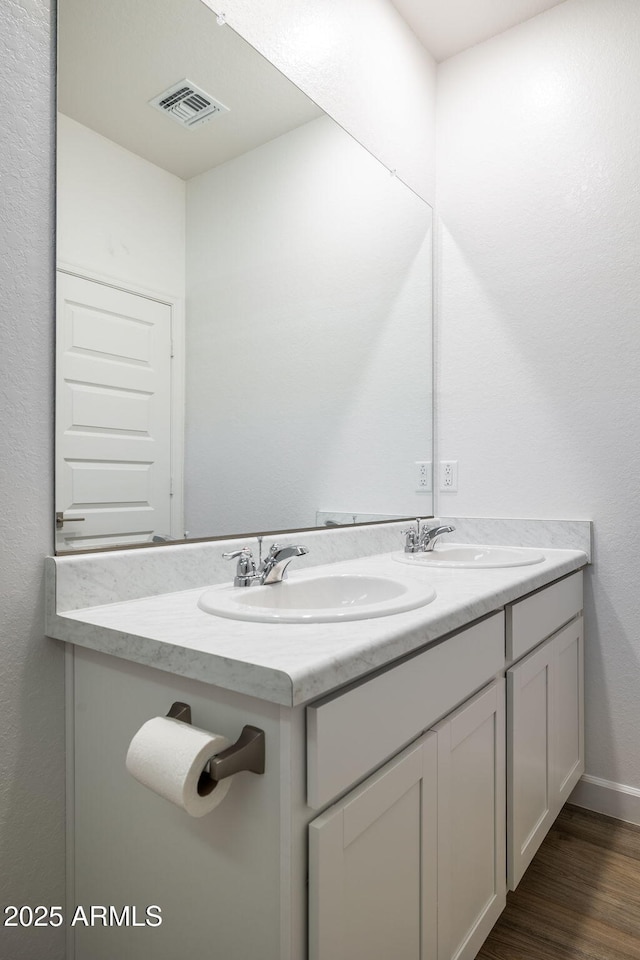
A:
(545, 707)
(385, 821)
(411, 864)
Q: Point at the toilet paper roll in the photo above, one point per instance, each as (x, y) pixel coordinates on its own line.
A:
(169, 757)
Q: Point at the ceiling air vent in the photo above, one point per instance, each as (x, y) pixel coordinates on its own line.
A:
(187, 104)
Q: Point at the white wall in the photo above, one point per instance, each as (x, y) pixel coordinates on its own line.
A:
(308, 301)
(362, 64)
(539, 350)
(31, 674)
(118, 215)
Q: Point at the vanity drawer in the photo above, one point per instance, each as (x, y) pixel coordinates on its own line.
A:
(532, 620)
(350, 734)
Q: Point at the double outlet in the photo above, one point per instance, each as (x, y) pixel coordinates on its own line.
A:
(447, 476)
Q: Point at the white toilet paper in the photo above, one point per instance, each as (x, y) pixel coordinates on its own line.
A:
(169, 756)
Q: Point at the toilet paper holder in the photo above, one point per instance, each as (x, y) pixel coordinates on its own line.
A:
(247, 753)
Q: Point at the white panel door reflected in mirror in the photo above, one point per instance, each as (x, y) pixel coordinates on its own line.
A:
(295, 269)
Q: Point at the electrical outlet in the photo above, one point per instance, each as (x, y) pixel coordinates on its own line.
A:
(448, 476)
(423, 476)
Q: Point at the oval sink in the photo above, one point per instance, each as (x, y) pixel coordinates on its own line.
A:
(470, 555)
(309, 599)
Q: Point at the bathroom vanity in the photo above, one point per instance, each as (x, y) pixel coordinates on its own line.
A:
(414, 762)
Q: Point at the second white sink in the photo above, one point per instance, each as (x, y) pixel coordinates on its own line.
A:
(470, 555)
(305, 598)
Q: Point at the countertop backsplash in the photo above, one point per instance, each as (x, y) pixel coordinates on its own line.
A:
(94, 579)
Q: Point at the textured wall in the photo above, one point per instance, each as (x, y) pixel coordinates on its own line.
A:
(362, 64)
(31, 677)
(539, 358)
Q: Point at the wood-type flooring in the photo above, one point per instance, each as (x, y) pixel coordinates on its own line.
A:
(580, 897)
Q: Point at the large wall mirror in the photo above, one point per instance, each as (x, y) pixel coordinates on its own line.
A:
(244, 293)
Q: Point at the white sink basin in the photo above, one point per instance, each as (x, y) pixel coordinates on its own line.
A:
(318, 599)
(470, 555)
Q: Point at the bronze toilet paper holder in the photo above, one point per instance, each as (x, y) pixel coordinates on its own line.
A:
(247, 753)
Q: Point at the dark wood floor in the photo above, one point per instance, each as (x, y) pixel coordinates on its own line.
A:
(580, 897)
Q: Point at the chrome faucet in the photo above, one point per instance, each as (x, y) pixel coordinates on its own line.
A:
(428, 537)
(273, 569)
(423, 540)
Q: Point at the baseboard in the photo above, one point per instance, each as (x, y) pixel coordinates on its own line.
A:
(613, 799)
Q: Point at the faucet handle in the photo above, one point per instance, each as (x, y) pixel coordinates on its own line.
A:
(412, 537)
(244, 552)
(246, 569)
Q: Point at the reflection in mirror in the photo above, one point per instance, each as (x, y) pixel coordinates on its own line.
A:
(244, 293)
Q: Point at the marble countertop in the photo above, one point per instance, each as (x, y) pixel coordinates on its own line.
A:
(291, 664)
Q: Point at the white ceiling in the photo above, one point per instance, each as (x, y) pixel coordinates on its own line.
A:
(447, 27)
(115, 55)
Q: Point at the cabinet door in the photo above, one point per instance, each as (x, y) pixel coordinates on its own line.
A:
(471, 823)
(545, 696)
(372, 865)
(568, 677)
(529, 788)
